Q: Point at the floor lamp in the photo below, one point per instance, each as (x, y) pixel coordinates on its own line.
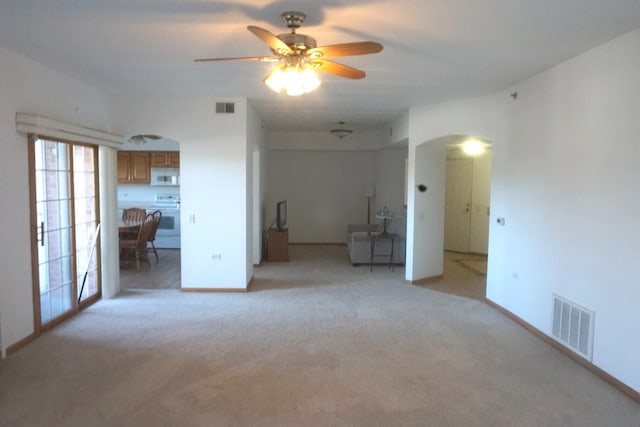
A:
(369, 193)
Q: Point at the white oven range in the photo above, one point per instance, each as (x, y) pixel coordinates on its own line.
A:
(168, 234)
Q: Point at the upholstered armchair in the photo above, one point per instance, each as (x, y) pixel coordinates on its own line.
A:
(359, 242)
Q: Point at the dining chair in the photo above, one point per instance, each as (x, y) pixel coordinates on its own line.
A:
(157, 216)
(136, 248)
(134, 214)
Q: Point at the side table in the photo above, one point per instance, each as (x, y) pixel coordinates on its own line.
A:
(374, 236)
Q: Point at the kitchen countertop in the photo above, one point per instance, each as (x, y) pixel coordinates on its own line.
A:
(126, 205)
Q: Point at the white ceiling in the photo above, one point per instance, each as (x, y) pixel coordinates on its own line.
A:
(434, 50)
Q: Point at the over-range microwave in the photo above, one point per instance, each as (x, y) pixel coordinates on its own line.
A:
(165, 176)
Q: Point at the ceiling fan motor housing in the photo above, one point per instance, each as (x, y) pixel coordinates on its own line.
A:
(298, 42)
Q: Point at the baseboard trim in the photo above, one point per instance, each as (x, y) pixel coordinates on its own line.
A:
(317, 244)
(215, 290)
(426, 280)
(632, 393)
(20, 344)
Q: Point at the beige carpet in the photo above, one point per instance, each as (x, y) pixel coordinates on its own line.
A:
(317, 343)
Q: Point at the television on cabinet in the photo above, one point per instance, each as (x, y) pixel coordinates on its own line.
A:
(281, 215)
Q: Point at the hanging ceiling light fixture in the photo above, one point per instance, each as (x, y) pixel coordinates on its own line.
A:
(473, 147)
(341, 132)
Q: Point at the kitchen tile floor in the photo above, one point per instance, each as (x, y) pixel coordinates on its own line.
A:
(163, 275)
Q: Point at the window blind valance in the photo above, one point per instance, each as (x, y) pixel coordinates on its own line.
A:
(38, 125)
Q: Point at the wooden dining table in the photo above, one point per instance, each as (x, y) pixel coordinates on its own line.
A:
(128, 228)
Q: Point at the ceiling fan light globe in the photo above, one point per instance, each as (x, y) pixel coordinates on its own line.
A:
(275, 80)
(310, 80)
(294, 88)
(293, 80)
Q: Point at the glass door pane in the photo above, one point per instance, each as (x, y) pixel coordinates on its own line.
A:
(86, 221)
(53, 209)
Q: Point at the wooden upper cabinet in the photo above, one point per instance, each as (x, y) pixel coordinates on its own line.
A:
(124, 166)
(170, 159)
(133, 167)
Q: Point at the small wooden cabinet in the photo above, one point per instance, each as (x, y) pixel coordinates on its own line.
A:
(169, 159)
(277, 245)
(133, 167)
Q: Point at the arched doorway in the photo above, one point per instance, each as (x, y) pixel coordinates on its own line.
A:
(158, 190)
(434, 206)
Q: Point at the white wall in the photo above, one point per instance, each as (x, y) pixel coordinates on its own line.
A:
(110, 258)
(324, 140)
(565, 178)
(256, 138)
(214, 163)
(425, 213)
(389, 182)
(324, 191)
(398, 131)
(28, 87)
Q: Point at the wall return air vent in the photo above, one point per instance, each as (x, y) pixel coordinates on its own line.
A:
(225, 107)
(573, 326)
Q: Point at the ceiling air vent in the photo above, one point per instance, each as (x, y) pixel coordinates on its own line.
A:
(225, 107)
(573, 326)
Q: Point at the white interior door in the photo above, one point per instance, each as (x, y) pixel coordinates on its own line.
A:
(458, 190)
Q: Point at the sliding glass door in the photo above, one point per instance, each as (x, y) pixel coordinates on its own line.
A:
(64, 222)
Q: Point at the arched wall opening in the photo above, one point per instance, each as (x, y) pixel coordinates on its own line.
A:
(426, 207)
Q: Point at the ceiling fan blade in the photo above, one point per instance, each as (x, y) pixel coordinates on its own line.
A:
(345, 49)
(270, 39)
(338, 69)
(241, 58)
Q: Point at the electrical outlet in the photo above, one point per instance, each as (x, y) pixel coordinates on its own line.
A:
(216, 257)
(192, 218)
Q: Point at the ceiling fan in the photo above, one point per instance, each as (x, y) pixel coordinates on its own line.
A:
(143, 139)
(299, 56)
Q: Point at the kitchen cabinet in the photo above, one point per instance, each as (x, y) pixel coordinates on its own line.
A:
(168, 159)
(133, 167)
